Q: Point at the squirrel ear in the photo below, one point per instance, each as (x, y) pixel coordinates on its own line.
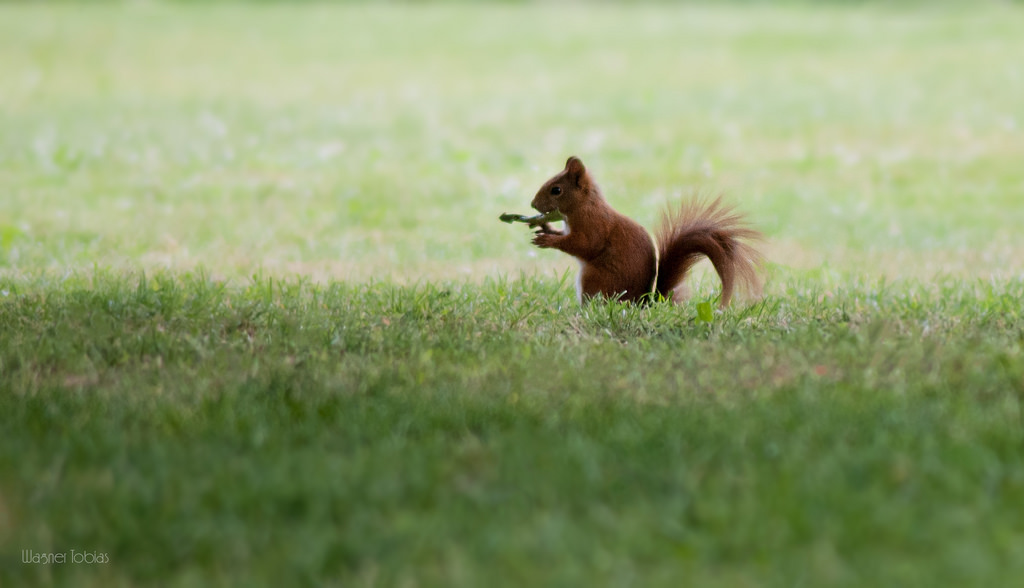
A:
(574, 166)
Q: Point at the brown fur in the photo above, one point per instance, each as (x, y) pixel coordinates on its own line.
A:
(616, 254)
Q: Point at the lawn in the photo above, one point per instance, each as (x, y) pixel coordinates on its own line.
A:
(259, 324)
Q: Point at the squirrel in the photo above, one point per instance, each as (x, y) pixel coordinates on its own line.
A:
(620, 259)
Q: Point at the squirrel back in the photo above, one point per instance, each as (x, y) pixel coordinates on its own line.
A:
(619, 258)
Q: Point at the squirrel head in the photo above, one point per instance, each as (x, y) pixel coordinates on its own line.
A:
(566, 190)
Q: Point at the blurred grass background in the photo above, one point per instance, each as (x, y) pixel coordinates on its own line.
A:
(859, 426)
(358, 141)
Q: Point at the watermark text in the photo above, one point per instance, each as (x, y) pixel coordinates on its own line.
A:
(73, 556)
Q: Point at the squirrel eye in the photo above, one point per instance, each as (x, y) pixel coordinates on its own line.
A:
(556, 190)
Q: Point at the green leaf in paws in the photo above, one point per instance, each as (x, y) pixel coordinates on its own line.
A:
(537, 219)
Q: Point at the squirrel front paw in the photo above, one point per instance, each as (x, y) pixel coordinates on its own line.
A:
(546, 228)
(544, 240)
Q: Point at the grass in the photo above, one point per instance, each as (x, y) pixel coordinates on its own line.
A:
(259, 323)
(464, 434)
(357, 142)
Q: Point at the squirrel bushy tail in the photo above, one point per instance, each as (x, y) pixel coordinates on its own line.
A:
(711, 229)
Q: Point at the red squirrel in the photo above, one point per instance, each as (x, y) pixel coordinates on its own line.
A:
(619, 258)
